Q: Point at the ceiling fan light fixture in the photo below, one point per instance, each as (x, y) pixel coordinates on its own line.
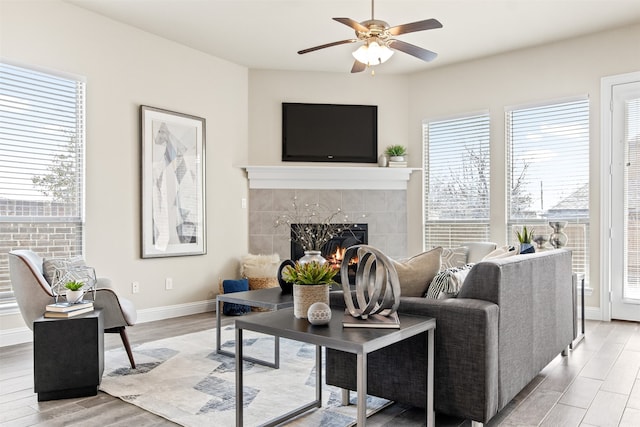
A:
(372, 53)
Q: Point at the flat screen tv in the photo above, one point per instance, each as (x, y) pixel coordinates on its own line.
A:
(329, 133)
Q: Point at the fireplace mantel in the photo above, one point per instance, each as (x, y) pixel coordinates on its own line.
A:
(328, 177)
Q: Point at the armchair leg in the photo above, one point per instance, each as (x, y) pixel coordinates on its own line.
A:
(125, 341)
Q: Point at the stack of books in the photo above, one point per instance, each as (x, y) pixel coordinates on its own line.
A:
(373, 321)
(397, 164)
(65, 309)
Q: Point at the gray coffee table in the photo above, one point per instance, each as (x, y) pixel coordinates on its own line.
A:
(271, 298)
(359, 341)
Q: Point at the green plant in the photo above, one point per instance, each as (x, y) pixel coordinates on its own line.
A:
(525, 236)
(396, 150)
(312, 273)
(74, 286)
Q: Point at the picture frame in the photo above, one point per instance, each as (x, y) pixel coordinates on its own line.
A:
(173, 183)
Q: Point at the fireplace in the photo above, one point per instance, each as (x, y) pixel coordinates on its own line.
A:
(333, 251)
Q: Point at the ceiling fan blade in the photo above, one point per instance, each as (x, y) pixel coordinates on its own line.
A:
(418, 52)
(358, 67)
(353, 24)
(312, 49)
(428, 24)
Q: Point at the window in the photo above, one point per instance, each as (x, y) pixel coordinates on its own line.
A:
(456, 180)
(548, 172)
(41, 167)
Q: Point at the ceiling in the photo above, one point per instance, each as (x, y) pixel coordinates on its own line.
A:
(266, 34)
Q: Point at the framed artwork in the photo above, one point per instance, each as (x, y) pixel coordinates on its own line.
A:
(173, 183)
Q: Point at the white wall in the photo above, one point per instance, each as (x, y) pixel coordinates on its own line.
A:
(269, 89)
(564, 69)
(126, 68)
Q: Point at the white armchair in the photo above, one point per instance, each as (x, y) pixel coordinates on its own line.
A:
(33, 293)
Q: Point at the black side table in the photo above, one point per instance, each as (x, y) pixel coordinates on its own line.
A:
(68, 356)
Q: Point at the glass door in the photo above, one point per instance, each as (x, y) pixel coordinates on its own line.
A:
(625, 202)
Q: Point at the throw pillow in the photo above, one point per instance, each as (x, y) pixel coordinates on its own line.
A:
(455, 257)
(260, 265)
(54, 269)
(230, 286)
(447, 283)
(416, 273)
(503, 252)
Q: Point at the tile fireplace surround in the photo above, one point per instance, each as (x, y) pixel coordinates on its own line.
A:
(384, 210)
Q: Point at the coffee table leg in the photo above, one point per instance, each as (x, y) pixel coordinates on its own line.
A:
(361, 384)
(239, 385)
(430, 357)
(218, 325)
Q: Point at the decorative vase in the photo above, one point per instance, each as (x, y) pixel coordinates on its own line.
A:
(286, 287)
(74, 296)
(383, 161)
(541, 240)
(319, 313)
(304, 296)
(312, 256)
(558, 238)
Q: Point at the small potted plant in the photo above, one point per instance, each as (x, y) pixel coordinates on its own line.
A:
(311, 283)
(74, 291)
(396, 153)
(525, 238)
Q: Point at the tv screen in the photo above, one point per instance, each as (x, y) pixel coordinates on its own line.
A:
(329, 133)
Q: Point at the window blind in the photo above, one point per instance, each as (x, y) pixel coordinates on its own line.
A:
(456, 180)
(631, 290)
(548, 172)
(42, 164)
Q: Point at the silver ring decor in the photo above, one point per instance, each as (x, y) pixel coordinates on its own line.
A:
(377, 284)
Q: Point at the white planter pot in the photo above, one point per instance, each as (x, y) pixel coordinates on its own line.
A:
(74, 296)
(397, 158)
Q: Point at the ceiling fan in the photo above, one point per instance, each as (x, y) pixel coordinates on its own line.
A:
(378, 41)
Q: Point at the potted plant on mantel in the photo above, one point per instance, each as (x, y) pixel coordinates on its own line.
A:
(396, 153)
(311, 282)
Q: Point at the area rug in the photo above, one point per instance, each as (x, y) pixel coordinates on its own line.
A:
(184, 380)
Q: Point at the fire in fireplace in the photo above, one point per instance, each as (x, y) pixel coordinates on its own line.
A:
(333, 251)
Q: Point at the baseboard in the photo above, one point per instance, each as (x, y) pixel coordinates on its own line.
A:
(24, 335)
(593, 313)
(15, 336)
(178, 310)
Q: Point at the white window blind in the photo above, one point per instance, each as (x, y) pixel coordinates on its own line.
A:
(631, 289)
(548, 172)
(42, 164)
(457, 171)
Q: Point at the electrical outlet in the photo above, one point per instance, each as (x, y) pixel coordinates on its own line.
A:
(168, 283)
(243, 203)
(135, 287)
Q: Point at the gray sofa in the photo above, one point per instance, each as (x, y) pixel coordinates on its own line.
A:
(511, 317)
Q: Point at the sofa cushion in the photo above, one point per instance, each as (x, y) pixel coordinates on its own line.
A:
(454, 257)
(448, 282)
(416, 273)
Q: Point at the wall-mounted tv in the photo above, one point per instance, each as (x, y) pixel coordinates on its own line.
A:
(329, 133)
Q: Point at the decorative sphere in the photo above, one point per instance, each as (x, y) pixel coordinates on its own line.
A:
(319, 313)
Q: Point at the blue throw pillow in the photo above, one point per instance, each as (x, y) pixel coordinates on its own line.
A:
(230, 286)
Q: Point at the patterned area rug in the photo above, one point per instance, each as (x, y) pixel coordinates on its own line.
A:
(184, 380)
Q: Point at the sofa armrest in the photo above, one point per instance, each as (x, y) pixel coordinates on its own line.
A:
(466, 365)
